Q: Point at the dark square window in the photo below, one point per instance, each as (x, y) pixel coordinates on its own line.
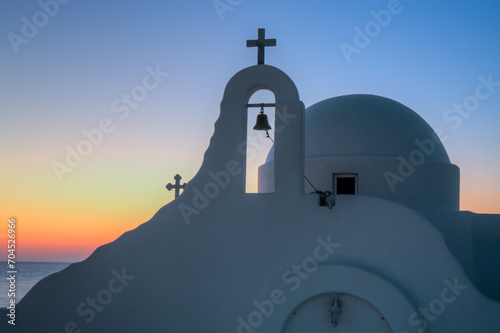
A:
(345, 184)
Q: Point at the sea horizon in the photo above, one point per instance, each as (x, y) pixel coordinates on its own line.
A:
(27, 275)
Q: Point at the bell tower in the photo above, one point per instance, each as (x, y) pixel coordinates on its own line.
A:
(230, 129)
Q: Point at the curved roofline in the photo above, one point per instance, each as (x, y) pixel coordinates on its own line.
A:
(388, 147)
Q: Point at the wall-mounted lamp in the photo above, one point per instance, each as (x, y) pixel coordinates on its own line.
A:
(335, 311)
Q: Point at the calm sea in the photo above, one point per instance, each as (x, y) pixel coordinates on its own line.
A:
(28, 274)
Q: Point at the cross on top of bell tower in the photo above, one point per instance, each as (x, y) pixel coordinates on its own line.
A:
(261, 43)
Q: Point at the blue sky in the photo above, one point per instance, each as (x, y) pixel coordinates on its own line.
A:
(64, 79)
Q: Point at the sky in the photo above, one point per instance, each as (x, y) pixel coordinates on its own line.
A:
(103, 102)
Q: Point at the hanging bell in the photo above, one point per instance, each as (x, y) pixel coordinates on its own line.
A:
(262, 124)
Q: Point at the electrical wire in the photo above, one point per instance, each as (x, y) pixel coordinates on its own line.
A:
(323, 195)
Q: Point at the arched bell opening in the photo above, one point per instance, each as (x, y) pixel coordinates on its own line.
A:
(260, 135)
(289, 126)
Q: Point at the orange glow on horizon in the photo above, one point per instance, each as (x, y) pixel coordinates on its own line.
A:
(67, 221)
(482, 201)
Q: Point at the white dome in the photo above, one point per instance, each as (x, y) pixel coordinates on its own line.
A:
(365, 125)
(385, 148)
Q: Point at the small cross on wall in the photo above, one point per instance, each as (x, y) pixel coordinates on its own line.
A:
(177, 186)
(261, 43)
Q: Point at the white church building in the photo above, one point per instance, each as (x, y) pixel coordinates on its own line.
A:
(387, 250)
